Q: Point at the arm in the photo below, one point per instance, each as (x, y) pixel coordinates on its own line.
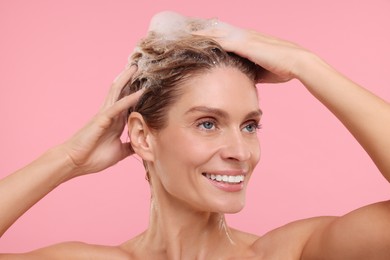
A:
(361, 234)
(366, 116)
(92, 149)
(22, 189)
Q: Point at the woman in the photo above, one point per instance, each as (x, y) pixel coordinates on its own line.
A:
(193, 122)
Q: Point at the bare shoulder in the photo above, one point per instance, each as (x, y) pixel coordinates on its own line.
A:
(72, 250)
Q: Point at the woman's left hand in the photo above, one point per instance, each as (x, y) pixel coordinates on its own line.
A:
(280, 58)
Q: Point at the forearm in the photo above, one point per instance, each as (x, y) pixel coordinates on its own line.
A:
(22, 189)
(365, 115)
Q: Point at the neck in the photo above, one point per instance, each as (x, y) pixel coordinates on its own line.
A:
(176, 229)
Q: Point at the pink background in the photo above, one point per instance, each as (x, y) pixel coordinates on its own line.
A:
(58, 58)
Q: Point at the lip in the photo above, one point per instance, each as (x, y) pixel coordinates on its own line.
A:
(224, 186)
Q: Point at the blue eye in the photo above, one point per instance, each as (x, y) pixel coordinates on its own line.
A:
(252, 127)
(208, 125)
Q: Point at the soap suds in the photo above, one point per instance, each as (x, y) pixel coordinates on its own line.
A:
(171, 26)
(167, 27)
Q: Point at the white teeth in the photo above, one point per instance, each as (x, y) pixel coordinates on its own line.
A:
(226, 178)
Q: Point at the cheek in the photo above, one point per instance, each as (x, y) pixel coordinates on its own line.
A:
(258, 145)
(182, 145)
(253, 145)
(256, 154)
(181, 152)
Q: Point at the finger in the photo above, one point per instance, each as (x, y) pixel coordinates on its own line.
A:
(124, 76)
(213, 33)
(118, 84)
(123, 104)
(272, 78)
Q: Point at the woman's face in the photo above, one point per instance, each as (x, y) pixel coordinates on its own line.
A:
(206, 154)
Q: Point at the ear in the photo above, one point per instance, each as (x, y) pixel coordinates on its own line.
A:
(140, 136)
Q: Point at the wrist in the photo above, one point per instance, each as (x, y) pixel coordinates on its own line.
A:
(308, 66)
(61, 162)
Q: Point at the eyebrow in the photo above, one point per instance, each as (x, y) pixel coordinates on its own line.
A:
(220, 113)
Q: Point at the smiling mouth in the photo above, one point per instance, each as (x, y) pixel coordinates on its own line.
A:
(225, 178)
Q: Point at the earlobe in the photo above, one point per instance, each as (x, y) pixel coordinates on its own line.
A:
(139, 134)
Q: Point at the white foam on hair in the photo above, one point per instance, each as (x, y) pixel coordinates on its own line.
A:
(171, 26)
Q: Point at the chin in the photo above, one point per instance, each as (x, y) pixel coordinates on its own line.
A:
(231, 211)
(231, 206)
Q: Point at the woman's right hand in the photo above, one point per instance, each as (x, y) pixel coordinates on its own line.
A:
(93, 148)
(98, 144)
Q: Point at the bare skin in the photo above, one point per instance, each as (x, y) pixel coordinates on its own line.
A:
(186, 231)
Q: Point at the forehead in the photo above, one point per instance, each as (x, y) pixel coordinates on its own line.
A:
(226, 88)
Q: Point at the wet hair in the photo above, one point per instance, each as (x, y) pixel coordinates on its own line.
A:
(165, 65)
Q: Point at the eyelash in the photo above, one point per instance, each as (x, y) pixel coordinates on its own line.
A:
(207, 120)
(254, 124)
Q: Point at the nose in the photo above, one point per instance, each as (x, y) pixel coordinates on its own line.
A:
(236, 147)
